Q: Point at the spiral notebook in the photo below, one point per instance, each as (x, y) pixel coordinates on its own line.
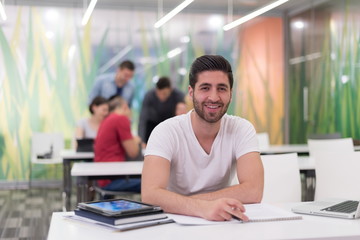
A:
(260, 212)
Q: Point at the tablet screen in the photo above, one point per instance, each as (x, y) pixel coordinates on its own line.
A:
(117, 205)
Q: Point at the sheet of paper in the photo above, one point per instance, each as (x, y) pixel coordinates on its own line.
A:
(256, 213)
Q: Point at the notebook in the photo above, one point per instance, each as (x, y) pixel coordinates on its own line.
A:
(260, 212)
(331, 208)
(85, 145)
(120, 220)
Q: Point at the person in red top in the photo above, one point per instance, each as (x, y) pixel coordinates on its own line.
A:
(114, 142)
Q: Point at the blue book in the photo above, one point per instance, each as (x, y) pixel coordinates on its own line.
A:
(120, 220)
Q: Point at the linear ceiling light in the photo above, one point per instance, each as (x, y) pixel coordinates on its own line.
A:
(171, 14)
(2, 12)
(88, 12)
(254, 14)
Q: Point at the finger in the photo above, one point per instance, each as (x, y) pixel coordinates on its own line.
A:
(236, 204)
(225, 216)
(237, 213)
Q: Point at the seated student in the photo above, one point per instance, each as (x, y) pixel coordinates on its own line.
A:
(189, 158)
(114, 141)
(88, 127)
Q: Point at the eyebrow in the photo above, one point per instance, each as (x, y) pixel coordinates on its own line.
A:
(218, 85)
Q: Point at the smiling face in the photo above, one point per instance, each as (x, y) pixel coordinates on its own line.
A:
(211, 95)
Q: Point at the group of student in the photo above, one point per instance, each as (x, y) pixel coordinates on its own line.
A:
(189, 159)
(110, 120)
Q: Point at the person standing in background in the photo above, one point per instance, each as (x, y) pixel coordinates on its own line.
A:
(158, 105)
(88, 127)
(118, 83)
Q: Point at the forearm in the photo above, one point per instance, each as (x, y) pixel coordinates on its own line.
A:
(172, 202)
(245, 193)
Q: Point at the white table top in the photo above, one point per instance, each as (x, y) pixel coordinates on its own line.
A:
(289, 148)
(72, 154)
(310, 227)
(107, 168)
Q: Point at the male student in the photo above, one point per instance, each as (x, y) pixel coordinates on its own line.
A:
(109, 85)
(114, 141)
(189, 158)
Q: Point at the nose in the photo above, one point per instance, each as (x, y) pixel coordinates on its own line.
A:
(213, 95)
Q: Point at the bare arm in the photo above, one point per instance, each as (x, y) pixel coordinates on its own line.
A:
(79, 133)
(155, 177)
(250, 173)
(132, 146)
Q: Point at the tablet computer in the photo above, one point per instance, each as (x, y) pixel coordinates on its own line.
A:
(118, 207)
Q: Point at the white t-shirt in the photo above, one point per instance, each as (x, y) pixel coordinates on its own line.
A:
(89, 132)
(192, 170)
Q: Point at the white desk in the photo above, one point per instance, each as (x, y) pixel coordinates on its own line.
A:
(102, 170)
(68, 157)
(290, 148)
(310, 227)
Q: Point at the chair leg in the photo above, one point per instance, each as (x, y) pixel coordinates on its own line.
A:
(30, 175)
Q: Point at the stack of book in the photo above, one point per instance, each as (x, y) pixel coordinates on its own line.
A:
(122, 214)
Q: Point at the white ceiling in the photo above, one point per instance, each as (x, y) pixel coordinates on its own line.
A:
(198, 6)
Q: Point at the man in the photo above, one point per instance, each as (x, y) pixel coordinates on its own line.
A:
(189, 158)
(158, 105)
(114, 141)
(109, 85)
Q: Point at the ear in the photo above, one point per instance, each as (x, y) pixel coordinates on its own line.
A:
(191, 91)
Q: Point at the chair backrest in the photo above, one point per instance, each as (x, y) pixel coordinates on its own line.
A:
(337, 175)
(281, 178)
(335, 135)
(46, 146)
(264, 142)
(338, 145)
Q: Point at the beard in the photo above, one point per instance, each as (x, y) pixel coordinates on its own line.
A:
(210, 117)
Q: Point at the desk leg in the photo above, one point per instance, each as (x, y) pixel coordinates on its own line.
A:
(67, 183)
(82, 189)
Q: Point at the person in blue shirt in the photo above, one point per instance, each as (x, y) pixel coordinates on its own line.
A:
(117, 83)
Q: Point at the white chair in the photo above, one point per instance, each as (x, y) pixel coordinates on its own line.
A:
(264, 142)
(281, 178)
(343, 145)
(45, 149)
(337, 175)
(339, 145)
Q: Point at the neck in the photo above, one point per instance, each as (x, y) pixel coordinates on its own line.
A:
(203, 129)
(96, 119)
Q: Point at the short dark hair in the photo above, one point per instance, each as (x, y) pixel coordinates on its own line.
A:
(210, 63)
(97, 101)
(127, 64)
(163, 82)
(114, 102)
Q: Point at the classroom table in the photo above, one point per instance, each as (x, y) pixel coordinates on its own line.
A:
(301, 149)
(68, 157)
(86, 171)
(310, 227)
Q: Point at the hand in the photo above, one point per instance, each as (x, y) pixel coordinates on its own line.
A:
(222, 209)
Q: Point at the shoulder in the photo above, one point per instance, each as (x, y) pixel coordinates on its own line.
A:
(236, 123)
(178, 93)
(174, 126)
(82, 122)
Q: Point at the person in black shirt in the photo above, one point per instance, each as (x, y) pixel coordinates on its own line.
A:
(158, 105)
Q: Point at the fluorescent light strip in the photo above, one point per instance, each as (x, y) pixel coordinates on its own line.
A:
(2, 12)
(88, 12)
(171, 14)
(254, 14)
